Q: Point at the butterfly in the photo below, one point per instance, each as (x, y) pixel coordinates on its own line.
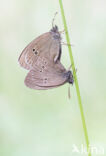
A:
(48, 76)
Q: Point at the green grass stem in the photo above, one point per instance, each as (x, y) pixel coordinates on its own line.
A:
(75, 79)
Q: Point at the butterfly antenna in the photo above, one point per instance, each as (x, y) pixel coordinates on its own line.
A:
(54, 19)
(69, 95)
(63, 31)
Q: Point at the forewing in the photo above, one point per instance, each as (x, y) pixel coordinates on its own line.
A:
(45, 46)
(32, 51)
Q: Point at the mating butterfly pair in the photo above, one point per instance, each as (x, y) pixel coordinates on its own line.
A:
(42, 58)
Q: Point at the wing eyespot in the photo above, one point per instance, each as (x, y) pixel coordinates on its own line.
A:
(43, 67)
(33, 49)
(45, 80)
(35, 52)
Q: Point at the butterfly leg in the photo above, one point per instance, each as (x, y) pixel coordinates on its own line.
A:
(63, 31)
(62, 43)
(75, 69)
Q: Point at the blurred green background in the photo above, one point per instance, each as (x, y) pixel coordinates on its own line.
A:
(47, 123)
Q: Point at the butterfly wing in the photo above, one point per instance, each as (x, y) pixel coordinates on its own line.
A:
(45, 45)
(51, 77)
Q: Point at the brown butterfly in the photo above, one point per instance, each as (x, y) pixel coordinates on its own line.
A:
(49, 75)
(48, 45)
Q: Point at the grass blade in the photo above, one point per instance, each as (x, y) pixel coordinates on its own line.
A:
(75, 79)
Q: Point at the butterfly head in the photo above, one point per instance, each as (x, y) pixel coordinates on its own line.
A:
(55, 32)
(55, 29)
(69, 77)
